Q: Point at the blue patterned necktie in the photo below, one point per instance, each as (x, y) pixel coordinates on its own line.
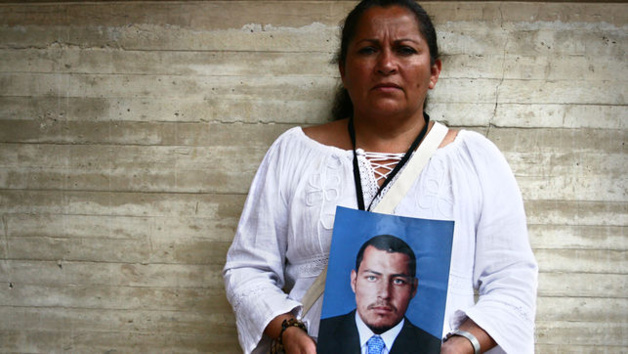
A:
(375, 345)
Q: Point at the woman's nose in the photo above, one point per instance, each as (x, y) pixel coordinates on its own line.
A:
(386, 64)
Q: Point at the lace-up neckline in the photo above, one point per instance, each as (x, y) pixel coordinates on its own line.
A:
(382, 163)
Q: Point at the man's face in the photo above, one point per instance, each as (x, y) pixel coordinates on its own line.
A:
(383, 288)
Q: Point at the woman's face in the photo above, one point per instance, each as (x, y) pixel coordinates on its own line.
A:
(387, 70)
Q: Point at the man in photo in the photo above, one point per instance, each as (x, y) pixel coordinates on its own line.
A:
(384, 282)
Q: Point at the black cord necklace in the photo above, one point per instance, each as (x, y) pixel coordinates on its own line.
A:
(356, 169)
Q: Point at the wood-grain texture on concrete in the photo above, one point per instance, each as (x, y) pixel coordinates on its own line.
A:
(130, 132)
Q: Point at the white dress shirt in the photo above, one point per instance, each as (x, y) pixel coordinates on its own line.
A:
(365, 334)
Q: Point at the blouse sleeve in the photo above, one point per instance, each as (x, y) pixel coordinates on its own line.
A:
(254, 271)
(505, 271)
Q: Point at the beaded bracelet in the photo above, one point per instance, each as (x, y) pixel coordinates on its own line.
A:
(293, 322)
(277, 345)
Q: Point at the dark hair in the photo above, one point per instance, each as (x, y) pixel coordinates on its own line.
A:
(342, 107)
(390, 244)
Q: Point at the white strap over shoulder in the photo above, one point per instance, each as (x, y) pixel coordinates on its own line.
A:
(314, 292)
(412, 170)
(389, 202)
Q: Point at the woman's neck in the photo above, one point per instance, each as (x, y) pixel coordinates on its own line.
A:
(387, 135)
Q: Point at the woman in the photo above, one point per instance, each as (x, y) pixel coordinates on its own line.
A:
(388, 61)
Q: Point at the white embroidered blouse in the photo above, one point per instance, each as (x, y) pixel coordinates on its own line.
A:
(284, 235)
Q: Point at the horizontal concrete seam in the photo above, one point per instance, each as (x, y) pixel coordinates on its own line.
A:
(575, 296)
(544, 272)
(287, 124)
(74, 262)
(561, 225)
(198, 96)
(221, 264)
(60, 73)
(106, 48)
(165, 193)
(70, 285)
(209, 193)
(173, 75)
(299, 76)
(104, 309)
(614, 250)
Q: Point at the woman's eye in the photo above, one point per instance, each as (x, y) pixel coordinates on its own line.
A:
(406, 50)
(367, 50)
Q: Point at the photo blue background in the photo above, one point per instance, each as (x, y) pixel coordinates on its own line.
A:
(431, 241)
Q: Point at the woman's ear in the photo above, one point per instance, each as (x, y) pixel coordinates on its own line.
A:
(341, 69)
(435, 72)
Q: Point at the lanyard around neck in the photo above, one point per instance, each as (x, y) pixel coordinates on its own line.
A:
(356, 169)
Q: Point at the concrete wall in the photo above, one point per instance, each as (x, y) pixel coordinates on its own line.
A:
(130, 131)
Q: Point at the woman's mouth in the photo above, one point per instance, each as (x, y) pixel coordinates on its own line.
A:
(387, 87)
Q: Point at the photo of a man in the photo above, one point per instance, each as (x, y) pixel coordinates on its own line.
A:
(384, 282)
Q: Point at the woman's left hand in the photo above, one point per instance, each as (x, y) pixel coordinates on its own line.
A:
(457, 345)
(461, 345)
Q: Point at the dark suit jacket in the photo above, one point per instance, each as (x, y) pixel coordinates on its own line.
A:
(340, 335)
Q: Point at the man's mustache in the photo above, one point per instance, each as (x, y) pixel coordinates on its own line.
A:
(385, 304)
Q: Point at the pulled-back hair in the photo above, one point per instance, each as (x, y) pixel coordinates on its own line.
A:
(343, 107)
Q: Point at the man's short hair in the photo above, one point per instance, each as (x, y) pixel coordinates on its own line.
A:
(390, 244)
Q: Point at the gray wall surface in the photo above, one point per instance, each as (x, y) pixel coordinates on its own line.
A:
(130, 132)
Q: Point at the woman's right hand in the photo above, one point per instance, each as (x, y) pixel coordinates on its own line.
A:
(294, 339)
(297, 341)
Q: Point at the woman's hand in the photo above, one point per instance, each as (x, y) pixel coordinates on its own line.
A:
(294, 339)
(457, 345)
(297, 341)
(461, 345)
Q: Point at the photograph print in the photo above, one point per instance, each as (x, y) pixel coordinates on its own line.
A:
(386, 286)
